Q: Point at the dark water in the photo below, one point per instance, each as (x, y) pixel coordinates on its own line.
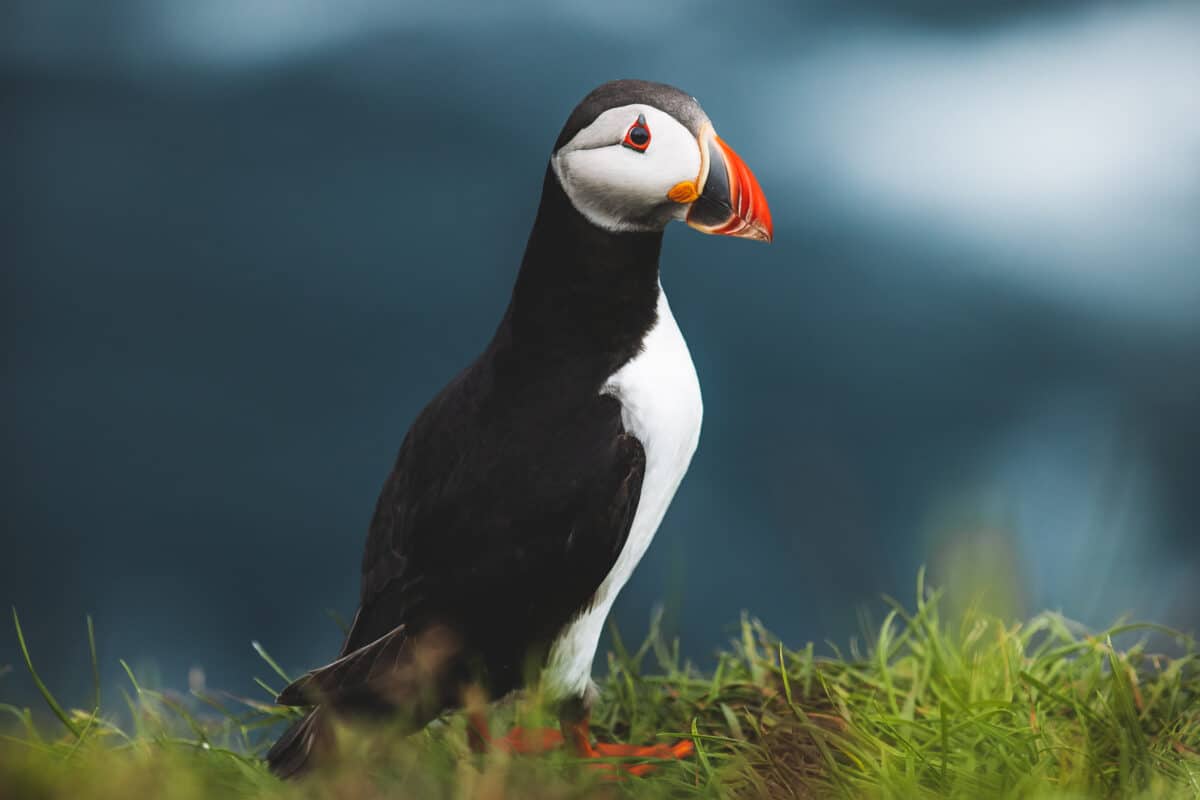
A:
(239, 254)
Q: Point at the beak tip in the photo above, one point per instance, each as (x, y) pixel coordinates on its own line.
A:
(758, 229)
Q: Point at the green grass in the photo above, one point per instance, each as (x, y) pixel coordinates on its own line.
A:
(974, 707)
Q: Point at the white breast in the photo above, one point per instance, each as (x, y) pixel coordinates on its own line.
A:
(661, 406)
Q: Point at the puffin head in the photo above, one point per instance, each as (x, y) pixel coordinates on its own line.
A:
(635, 155)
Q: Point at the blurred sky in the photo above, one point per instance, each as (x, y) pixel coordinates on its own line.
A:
(244, 241)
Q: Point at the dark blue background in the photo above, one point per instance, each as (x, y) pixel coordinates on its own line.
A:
(243, 243)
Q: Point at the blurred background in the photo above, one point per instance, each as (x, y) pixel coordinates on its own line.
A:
(243, 242)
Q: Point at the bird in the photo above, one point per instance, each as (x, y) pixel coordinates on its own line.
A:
(531, 485)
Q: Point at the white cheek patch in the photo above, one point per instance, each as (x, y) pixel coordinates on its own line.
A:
(619, 188)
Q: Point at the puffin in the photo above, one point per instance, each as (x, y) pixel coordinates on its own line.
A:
(527, 490)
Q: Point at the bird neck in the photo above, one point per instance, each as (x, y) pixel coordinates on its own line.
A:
(583, 292)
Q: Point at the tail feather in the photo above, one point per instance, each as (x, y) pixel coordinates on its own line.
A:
(299, 745)
(357, 671)
(394, 673)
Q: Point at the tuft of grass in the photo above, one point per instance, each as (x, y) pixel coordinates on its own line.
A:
(929, 707)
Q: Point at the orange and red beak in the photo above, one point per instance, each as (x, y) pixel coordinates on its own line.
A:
(731, 202)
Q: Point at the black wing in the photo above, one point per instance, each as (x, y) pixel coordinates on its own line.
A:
(505, 511)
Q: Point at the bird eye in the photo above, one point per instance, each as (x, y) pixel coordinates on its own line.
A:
(638, 135)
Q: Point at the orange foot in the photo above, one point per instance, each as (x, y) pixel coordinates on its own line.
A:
(577, 736)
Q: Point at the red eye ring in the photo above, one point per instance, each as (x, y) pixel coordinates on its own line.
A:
(638, 136)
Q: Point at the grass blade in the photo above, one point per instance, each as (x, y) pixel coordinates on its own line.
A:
(265, 656)
(95, 665)
(42, 688)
